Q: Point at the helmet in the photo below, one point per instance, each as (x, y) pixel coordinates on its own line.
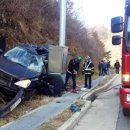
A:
(78, 58)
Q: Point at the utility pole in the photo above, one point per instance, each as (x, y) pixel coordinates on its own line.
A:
(62, 31)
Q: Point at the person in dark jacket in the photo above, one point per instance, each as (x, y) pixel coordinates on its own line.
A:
(117, 66)
(72, 70)
(108, 67)
(100, 68)
(88, 71)
(104, 68)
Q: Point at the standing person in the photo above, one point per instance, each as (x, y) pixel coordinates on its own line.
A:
(72, 69)
(88, 71)
(117, 66)
(104, 68)
(108, 67)
(100, 68)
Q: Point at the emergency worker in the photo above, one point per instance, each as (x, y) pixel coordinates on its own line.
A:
(88, 71)
(72, 70)
(117, 66)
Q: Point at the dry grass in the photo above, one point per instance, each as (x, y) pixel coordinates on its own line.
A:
(101, 83)
(80, 79)
(56, 122)
(59, 120)
(25, 107)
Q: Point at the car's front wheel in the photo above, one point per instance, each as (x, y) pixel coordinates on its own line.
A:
(29, 94)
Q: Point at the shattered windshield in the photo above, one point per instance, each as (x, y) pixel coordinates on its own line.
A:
(25, 58)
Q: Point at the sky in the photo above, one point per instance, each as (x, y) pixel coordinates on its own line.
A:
(99, 12)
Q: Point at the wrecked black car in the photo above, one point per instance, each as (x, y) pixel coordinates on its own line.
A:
(23, 72)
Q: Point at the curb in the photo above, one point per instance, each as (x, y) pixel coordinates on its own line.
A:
(87, 97)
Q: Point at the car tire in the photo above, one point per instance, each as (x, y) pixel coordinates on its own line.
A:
(126, 112)
(29, 94)
(58, 92)
(58, 83)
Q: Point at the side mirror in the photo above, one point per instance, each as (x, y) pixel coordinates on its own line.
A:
(117, 24)
(116, 40)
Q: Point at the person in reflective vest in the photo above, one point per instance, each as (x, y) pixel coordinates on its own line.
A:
(88, 71)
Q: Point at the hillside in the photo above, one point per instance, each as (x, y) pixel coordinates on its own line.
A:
(37, 22)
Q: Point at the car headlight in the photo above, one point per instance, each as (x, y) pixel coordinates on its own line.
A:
(126, 77)
(23, 83)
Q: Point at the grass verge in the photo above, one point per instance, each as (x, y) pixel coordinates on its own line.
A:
(56, 122)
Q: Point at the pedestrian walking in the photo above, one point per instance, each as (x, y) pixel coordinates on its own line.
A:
(72, 70)
(88, 71)
(117, 66)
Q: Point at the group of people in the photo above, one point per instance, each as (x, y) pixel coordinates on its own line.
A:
(87, 70)
(72, 70)
(104, 67)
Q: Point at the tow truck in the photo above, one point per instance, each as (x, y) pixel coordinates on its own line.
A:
(23, 72)
(120, 25)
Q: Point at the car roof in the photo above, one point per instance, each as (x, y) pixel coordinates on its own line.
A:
(37, 49)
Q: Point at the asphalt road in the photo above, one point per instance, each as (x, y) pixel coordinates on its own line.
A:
(123, 122)
(105, 113)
